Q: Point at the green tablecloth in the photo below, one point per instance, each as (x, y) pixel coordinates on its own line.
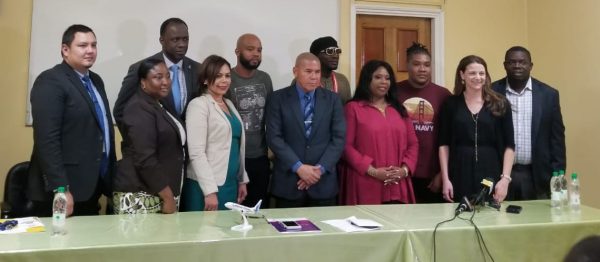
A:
(533, 235)
(536, 234)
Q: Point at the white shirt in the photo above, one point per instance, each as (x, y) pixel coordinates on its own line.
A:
(522, 107)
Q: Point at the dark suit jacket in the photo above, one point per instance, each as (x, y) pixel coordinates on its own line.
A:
(285, 136)
(152, 150)
(547, 133)
(67, 138)
(131, 83)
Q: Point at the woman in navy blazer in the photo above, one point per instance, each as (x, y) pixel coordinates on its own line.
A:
(216, 143)
(149, 176)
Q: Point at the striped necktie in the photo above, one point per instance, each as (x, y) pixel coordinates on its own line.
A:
(308, 114)
(100, 118)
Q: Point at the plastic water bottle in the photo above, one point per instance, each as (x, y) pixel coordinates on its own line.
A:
(564, 189)
(59, 212)
(555, 191)
(575, 201)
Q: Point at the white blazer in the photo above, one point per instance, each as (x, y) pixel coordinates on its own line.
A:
(209, 143)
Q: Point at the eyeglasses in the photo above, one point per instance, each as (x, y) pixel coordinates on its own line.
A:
(332, 51)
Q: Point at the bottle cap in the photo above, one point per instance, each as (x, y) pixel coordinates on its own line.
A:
(574, 176)
(561, 172)
(60, 189)
(554, 173)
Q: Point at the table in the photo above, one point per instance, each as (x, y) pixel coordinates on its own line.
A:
(533, 235)
(536, 234)
(204, 236)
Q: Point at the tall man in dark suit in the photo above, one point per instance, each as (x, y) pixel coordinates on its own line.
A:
(539, 130)
(306, 131)
(174, 39)
(72, 132)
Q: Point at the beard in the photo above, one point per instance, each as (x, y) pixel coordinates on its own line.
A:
(246, 63)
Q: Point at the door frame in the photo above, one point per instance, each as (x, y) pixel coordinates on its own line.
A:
(437, 33)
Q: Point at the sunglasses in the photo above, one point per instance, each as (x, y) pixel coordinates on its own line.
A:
(332, 51)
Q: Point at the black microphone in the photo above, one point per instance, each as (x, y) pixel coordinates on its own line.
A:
(464, 205)
(488, 186)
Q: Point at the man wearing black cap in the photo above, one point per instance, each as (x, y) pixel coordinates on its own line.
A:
(328, 52)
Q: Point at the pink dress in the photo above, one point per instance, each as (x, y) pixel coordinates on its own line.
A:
(380, 141)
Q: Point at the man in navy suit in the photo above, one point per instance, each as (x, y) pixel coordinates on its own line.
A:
(174, 39)
(539, 130)
(72, 130)
(306, 131)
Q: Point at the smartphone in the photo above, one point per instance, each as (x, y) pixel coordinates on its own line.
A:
(291, 225)
(513, 209)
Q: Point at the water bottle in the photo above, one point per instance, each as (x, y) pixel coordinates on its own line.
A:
(555, 191)
(564, 189)
(575, 201)
(59, 212)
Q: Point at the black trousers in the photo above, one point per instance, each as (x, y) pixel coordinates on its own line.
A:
(259, 173)
(521, 187)
(89, 207)
(423, 194)
(304, 202)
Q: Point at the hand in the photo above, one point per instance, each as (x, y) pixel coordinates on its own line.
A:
(388, 175)
(308, 174)
(447, 190)
(168, 206)
(436, 183)
(211, 202)
(242, 193)
(70, 203)
(302, 185)
(501, 190)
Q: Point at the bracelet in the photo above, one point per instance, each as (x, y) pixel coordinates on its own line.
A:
(372, 171)
(507, 177)
(405, 171)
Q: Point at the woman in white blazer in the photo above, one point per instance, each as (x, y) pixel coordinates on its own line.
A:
(216, 143)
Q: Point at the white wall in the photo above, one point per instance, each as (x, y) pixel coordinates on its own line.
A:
(128, 31)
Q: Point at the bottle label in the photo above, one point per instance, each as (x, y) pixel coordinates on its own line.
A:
(556, 196)
(58, 219)
(575, 201)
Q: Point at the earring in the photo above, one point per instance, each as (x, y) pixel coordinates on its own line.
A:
(462, 81)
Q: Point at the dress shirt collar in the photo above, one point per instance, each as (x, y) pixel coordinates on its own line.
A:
(528, 86)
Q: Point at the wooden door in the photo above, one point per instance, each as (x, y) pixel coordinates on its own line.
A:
(387, 37)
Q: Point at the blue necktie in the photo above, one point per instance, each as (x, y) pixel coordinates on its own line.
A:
(100, 119)
(308, 114)
(175, 88)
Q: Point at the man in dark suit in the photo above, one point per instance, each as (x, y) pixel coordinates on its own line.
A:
(539, 130)
(73, 136)
(174, 39)
(306, 131)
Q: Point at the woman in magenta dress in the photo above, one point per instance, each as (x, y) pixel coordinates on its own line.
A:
(381, 146)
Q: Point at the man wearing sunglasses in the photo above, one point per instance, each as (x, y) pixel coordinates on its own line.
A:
(328, 52)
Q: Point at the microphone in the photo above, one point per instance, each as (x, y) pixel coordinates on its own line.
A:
(464, 205)
(488, 185)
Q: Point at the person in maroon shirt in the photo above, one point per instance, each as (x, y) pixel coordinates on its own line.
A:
(381, 146)
(423, 100)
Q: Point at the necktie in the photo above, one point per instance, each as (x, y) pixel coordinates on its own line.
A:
(100, 118)
(308, 114)
(175, 88)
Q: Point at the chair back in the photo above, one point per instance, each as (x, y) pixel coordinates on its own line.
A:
(15, 202)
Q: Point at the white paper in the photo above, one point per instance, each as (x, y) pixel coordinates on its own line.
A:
(353, 224)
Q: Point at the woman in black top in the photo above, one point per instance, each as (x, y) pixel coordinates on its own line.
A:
(150, 174)
(476, 134)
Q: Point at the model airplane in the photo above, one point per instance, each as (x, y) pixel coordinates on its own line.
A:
(244, 211)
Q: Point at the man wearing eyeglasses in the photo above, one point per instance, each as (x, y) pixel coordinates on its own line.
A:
(539, 130)
(328, 52)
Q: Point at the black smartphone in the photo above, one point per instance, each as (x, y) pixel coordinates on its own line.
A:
(291, 225)
(513, 209)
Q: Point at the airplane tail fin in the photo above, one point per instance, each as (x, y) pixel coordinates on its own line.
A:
(257, 206)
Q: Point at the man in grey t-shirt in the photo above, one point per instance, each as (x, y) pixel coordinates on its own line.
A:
(249, 90)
